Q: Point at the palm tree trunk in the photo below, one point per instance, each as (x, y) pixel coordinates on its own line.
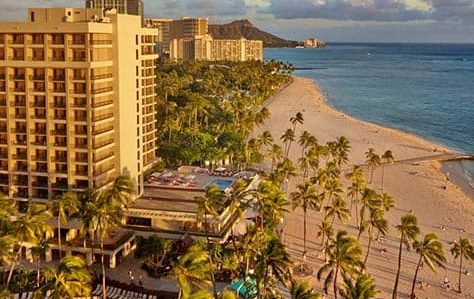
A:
(12, 267)
(368, 250)
(414, 278)
(335, 281)
(304, 240)
(397, 277)
(383, 172)
(38, 271)
(102, 261)
(59, 237)
(213, 279)
(459, 277)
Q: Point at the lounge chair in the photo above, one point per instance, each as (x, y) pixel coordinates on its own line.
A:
(98, 290)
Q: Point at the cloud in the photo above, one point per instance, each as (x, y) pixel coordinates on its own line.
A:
(373, 10)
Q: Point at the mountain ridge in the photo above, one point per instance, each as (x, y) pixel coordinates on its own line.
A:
(244, 28)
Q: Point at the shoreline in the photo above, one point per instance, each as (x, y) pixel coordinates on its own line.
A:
(416, 184)
(444, 168)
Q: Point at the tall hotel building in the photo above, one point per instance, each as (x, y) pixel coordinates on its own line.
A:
(77, 101)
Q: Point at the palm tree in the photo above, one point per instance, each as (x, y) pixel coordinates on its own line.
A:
(326, 232)
(275, 153)
(338, 209)
(355, 190)
(462, 250)
(386, 201)
(192, 271)
(7, 257)
(369, 200)
(408, 230)
(341, 151)
(70, 280)
(303, 290)
(377, 222)
(372, 161)
(306, 140)
(288, 137)
(297, 119)
(28, 228)
(38, 251)
(363, 287)
(431, 253)
(62, 208)
(306, 198)
(344, 256)
(111, 205)
(387, 158)
(210, 205)
(273, 262)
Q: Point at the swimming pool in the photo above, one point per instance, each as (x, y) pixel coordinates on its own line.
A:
(222, 184)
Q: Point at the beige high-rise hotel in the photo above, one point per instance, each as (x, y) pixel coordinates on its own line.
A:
(77, 101)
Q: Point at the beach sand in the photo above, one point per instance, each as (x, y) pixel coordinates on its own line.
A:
(416, 186)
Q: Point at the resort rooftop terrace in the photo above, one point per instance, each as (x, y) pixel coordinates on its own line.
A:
(176, 191)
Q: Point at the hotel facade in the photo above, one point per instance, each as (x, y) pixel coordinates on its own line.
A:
(77, 102)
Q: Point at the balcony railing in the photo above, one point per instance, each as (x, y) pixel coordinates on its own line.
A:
(103, 143)
(102, 76)
(100, 42)
(102, 117)
(102, 90)
(98, 158)
(99, 131)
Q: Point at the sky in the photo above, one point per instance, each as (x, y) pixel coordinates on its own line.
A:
(331, 20)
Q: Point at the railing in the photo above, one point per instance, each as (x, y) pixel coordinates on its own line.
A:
(102, 90)
(102, 76)
(102, 103)
(59, 159)
(59, 132)
(98, 158)
(100, 42)
(102, 130)
(103, 143)
(102, 117)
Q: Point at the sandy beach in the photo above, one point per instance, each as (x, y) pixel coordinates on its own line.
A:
(417, 185)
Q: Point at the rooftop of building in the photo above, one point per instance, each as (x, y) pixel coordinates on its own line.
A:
(176, 191)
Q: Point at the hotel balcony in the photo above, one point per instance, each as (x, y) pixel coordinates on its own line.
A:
(4, 165)
(81, 184)
(20, 167)
(39, 158)
(59, 159)
(39, 115)
(38, 131)
(102, 116)
(101, 102)
(40, 167)
(101, 90)
(60, 168)
(102, 143)
(102, 157)
(20, 156)
(40, 194)
(102, 130)
(101, 76)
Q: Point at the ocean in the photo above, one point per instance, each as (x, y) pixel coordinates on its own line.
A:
(422, 89)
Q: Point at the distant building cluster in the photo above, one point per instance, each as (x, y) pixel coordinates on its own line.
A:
(314, 43)
(188, 39)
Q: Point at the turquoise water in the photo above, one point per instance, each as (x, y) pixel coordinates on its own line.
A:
(423, 89)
